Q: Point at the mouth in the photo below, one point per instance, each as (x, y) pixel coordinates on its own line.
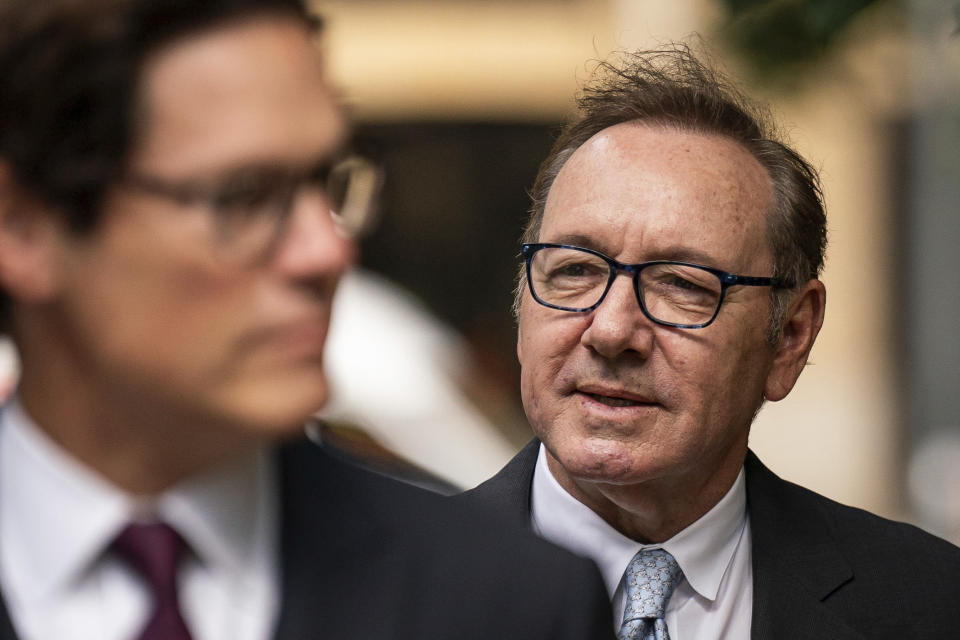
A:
(612, 401)
(305, 338)
(615, 398)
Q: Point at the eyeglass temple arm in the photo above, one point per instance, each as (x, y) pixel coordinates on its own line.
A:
(730, 280)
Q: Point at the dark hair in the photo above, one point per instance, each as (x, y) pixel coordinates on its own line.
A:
(69, 76)
(670, 87)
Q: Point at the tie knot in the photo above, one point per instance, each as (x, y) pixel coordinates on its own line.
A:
(154, 550)
(649, 581)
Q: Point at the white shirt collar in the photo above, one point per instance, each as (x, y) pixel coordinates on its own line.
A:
(703, 550)
(226, 517)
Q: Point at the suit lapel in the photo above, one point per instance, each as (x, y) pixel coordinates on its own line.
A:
(6, 626)
(508, 492)
(796, 564)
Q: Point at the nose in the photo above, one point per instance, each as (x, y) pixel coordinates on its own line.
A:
(618, 325)
(313, 245)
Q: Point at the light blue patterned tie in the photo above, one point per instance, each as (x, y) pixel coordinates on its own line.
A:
(649, 581)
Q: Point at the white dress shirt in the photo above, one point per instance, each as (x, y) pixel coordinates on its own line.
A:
(57, 517)
(715, 598)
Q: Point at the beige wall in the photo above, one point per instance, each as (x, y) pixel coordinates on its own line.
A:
(438, 59)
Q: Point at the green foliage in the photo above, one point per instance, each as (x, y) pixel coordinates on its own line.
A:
(781, 38)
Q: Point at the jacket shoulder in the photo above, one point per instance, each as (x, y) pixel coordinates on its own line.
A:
(451, 561)
(882, 577)
(887, 551)
(508, 492)
(862, 534)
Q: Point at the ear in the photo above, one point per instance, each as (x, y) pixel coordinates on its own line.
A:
(800, 328)
(29, 240)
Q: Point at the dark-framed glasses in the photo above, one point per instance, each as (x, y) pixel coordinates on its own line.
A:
(671, 293)
(250, 207)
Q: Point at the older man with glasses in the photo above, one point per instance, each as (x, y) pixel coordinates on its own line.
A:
(669, 286)
(175, 213)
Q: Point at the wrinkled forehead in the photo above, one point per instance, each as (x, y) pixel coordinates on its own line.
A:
(642, 192)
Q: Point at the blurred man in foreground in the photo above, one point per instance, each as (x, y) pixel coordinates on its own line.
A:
(669, 287)
(174, 217)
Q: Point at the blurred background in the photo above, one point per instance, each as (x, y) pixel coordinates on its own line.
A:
(459, 100)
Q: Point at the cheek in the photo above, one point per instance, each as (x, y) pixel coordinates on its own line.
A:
(188, 297)
(542, 348)
(546, 344)
(531, 371)
(150, 311)
(699, 371)
(721, 382)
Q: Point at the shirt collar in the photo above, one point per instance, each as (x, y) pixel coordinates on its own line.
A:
(225, 516)
(703, 550)
(228, 517)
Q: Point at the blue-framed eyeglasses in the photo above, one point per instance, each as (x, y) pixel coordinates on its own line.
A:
(671, 293)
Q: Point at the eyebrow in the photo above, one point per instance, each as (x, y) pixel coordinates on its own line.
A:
(578, 240)
(683, 253)
(680, 253)
(260, 166)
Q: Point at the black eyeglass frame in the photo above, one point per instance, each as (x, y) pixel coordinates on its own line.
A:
(727, 280)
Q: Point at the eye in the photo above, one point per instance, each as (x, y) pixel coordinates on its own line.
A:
(574, 270)
(246, 197)
(680, 286)
(318, 176)
(252, 193)
(682, 283)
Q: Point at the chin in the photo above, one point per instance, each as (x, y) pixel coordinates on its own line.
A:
(281, 407)
(603, 460)
(607, 470)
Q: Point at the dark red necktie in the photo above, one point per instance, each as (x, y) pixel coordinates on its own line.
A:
(154, 551)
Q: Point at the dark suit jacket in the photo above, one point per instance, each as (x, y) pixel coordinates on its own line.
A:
(365, 557)
(820, 569)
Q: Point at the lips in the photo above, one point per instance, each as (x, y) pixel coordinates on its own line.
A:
(612, 401)
(615, 397)
(300, 338)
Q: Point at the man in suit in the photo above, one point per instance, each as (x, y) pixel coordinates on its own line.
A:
(670, 287)
(174, 217)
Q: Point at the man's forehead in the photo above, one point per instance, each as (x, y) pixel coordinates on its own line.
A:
(250, 91)
(662, 192)
(649, 150)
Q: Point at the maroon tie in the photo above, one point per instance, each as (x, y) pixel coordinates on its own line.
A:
(154, 550)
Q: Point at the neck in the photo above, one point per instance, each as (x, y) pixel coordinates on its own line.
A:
(138, 444)
(140, 455)
(656, 510)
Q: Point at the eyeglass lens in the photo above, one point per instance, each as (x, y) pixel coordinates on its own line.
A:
(351, 188)
(252, 209)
